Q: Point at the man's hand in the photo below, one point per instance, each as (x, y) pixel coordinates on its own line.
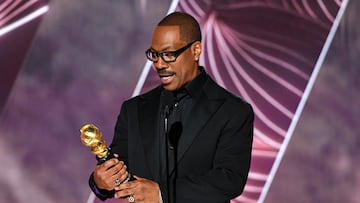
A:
(142, 190)
(106, 173)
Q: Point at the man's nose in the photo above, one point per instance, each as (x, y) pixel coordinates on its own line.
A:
(160, 64)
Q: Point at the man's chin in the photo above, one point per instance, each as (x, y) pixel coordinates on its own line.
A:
(169, 87)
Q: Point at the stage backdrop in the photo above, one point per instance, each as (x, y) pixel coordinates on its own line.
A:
(88, 56)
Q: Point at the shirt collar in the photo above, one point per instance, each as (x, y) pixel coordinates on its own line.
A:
(194, 86)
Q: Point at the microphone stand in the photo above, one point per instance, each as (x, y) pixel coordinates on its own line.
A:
(175, 172)
(174, 136)
(166, 128)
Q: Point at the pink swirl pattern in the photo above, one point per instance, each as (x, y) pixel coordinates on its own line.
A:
(265, 51)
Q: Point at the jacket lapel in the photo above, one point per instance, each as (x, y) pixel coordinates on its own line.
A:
(205, 105)
(149, 129)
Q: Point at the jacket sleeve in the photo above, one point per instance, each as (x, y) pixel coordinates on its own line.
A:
(100, 193)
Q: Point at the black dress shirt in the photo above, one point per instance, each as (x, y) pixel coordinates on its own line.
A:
(178, 104)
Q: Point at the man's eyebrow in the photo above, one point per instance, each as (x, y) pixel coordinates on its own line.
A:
(162, 50)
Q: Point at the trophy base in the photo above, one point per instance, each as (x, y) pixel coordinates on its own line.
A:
(108, 156)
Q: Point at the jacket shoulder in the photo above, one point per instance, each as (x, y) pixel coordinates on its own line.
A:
(153, 93)
(216, 92)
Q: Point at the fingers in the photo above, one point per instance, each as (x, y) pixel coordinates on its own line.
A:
(138, 178)
(110, 174)
(124, 193)
(142, 190)
(125, 189)
(109, 163)
(131, 199)
(127, 186)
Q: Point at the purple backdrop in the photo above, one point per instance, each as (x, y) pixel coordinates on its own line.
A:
(87, 57)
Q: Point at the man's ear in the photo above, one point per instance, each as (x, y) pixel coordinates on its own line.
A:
(197, 50)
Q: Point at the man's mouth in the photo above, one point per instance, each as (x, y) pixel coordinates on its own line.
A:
(166, 76)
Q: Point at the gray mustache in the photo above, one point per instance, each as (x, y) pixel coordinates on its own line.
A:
(165, 72)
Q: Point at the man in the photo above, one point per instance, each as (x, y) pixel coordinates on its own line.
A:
(187, 140)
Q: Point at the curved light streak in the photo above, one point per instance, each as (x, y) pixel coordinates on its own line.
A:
(263, 153)
(297, 7)
(209, 46)
(258, 176)
(255, 189)
(14, 13)
(8, 9)
(235, 44)
(195, 7)
(234, 63)
(326, 11)
(279, 48)
(247, 96)
(275, 6)
(23, 20)
(268, 73)
(4, 5)
(338, 2)
(267, 121)
(224, 46)
(276, 61)
(309, 10)
(265, 138)
(243, 199)
(303, 100)
(282, 63)
(285, 4)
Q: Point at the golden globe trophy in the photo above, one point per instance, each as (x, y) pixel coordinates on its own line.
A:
(91, 137)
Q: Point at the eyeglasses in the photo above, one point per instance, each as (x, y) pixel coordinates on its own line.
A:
(167, 56)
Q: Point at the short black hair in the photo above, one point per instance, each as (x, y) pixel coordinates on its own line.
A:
(189, 27)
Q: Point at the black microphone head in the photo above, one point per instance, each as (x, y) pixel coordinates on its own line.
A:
(174, 134)
(168, 101)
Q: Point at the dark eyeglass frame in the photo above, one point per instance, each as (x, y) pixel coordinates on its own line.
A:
(175, 53)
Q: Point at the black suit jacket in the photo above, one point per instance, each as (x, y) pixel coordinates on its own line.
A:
(214, 151)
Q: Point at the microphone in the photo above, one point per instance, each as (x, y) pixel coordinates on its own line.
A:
(172, 136)
(168, 100)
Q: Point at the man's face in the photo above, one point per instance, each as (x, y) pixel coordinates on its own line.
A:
(174, 75)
